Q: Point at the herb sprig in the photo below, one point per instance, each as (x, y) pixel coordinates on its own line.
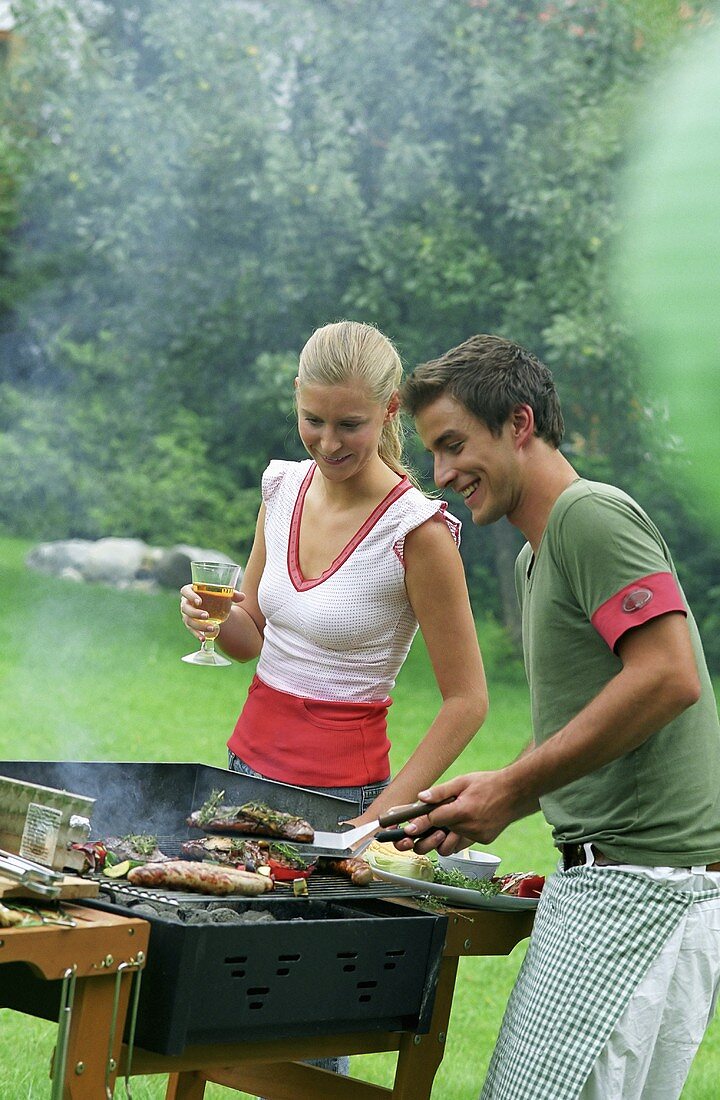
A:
(456, 878)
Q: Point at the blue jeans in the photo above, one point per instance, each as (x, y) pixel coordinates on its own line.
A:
(362, 797)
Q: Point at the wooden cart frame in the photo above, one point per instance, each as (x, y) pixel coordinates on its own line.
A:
(96, 960)
(103, 946)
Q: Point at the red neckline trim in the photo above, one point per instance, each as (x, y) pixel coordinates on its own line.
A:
(293, 555)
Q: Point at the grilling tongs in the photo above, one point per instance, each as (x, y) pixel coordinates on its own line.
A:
(354, 841)
(34, 876)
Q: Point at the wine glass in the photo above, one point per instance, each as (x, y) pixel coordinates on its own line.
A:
(214, 582)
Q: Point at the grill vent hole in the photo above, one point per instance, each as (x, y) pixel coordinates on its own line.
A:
(349, 968)
(236, 958)
(389, 966)
(288, 958)
(282, 971)
(364, 998)
(367, 985)
(237, 973)
(395, 954)
(258, 991)
(347, 955)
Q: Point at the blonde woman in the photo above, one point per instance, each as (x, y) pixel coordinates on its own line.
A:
(349, 558)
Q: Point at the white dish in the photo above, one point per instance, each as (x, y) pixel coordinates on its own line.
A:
(471, 862)
(457, 896)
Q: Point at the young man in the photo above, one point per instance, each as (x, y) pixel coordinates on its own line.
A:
(622, 973)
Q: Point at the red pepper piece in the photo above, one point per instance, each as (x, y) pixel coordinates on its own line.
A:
(531, 887)
(283, 873)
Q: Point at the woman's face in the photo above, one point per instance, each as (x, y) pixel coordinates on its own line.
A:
(339, 426)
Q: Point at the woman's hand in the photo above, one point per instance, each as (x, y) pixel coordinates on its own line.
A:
(194, 618)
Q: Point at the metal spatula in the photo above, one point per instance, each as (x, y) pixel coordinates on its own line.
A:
(354, 841)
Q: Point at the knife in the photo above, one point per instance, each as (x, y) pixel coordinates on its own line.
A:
(354, 841)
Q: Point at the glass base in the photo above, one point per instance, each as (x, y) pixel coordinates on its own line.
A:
(202, 657)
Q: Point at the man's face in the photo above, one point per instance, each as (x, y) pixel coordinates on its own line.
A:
(470, 460)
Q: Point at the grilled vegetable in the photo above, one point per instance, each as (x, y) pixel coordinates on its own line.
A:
(282, 872)
(522, 885)
(205, 878)
(408, 864)
(253, 817)
(120, 870)
(95, 854)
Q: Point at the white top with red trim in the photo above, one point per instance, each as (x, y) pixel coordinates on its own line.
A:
(343, 635)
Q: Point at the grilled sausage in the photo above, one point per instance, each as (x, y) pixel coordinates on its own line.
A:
(205, 878)
(357, 870)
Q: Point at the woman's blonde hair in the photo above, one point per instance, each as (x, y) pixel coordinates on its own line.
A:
(349, 350)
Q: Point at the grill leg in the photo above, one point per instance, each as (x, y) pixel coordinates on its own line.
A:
(421, 1055)
(87, 1073)
(189, 1085)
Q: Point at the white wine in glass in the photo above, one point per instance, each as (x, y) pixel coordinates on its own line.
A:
(214, 582)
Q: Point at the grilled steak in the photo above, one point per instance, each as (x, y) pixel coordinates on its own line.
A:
(205, 878)
(227, 850)
(137, 846)
(254, 818)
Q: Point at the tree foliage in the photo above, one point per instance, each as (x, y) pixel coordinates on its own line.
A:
(195, 186)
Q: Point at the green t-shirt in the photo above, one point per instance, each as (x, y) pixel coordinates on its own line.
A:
(658, 805)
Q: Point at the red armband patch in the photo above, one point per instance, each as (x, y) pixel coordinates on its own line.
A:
(637, 603)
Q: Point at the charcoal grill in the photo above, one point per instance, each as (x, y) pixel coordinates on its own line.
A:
(344, 958)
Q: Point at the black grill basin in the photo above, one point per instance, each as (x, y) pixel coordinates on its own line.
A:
(319, 968)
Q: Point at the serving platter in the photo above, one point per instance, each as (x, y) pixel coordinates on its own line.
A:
(455, 895)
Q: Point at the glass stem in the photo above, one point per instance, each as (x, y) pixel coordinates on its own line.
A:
(208, 646)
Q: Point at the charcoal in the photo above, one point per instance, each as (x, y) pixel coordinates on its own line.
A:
(250, 916)
(198, 916)
(149, 909)
(224, 916)
(256, 916)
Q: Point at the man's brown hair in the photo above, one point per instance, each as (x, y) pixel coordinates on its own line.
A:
(490, 376)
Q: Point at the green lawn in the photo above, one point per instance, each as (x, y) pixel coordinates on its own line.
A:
(88, 673)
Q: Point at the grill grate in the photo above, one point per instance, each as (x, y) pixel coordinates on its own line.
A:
(320, 888)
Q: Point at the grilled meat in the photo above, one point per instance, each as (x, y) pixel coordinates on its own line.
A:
(137, 846)
(357, 870)
(254, 818)
(227, 850)
(204, 878)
